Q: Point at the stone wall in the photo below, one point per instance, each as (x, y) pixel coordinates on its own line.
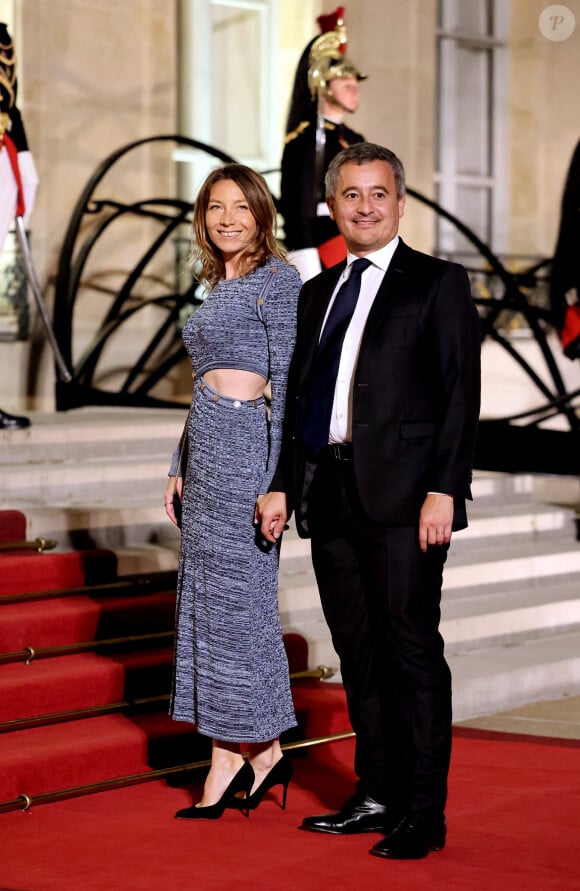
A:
(94, 76)
(544, 125)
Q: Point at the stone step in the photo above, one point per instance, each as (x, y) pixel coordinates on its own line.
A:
(498, 678)
(96, 479)
(504, 565)
(131, 524)
(507, 614)
(511, 562)
(497, 615)
(92, 432)
(489, 520)
(495, 605)
(488, 679)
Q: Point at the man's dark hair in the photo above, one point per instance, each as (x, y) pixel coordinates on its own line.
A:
(364, 153)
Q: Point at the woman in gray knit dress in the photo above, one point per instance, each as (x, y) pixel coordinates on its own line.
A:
(231, 672)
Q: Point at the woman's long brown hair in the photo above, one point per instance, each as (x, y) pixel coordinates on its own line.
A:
(207, 260)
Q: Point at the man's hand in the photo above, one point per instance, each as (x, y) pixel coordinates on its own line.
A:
(271, 512)
(435, 520)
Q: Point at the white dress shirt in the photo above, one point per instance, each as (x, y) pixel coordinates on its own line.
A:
(341, 418)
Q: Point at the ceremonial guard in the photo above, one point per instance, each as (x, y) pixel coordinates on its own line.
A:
(326, 90)
(18, 178)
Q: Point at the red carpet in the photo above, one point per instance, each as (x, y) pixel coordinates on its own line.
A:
(42, 759)
(25, 571)
(514, 807)
(12, 525)
(513, 817)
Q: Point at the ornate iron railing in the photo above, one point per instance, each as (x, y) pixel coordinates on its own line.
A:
(521, 441)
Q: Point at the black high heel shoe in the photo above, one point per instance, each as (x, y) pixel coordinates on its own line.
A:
(279, 775)
(242, 782)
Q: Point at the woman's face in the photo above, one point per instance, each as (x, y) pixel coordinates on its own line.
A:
(231, 226)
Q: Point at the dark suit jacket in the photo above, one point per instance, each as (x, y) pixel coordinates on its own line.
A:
(415, 394)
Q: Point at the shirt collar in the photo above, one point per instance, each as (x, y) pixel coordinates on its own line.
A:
(380, 258)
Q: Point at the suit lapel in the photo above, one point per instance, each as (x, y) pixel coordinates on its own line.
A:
(389, 290)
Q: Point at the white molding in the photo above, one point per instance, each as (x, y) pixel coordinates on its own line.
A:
(196, 78)
(8, 14)
(447, 178)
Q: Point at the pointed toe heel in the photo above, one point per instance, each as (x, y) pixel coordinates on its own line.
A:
(242, 782)
(279, 775)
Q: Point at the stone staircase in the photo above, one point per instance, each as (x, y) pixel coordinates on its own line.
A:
(511, 604)
(95, 478)
(511, 600)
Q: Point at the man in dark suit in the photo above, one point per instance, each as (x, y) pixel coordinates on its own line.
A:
(378, 475)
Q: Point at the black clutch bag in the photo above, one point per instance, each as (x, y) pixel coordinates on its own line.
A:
(177, 507)
(182, 466)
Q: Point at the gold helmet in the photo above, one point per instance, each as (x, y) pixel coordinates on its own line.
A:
(329, 67)
(327, 59)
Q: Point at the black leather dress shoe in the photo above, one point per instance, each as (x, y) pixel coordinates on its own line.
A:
(414, 838)
(361, 813)
(12, 422)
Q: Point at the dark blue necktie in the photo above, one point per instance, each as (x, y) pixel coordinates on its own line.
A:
(322, 379)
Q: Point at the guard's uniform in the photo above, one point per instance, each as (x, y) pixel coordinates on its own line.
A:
(18, 177)
(306, 220)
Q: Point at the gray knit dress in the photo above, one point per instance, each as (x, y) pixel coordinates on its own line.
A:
(231, 671)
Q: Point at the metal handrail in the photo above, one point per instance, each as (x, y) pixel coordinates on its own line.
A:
(143, 584)
(28, 653)
(40, 545)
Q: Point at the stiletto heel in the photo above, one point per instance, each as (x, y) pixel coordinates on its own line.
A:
(242, 782)
(279, 775)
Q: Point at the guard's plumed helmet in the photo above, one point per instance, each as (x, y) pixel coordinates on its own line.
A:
(328, 67)
(322, 60)
(327, 59)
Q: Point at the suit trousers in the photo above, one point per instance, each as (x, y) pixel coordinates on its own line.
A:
(381, 599)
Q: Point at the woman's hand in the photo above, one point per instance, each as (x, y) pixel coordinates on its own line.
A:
(173, 485)
(271, 512)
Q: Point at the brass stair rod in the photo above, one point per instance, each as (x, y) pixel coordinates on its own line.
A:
(322, 672)
(24, 802)
(90, 711)
(30, 653)
(149, 582)
(39, 545)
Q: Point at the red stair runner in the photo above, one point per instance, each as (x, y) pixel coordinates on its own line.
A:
(86, 750)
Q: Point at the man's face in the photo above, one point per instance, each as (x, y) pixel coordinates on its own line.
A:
(365, 207)
(345, 92)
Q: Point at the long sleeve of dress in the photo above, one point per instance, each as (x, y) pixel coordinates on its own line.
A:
(279, 317)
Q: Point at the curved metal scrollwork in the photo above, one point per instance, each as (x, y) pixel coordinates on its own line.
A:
(521, 441)
(120, 299)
